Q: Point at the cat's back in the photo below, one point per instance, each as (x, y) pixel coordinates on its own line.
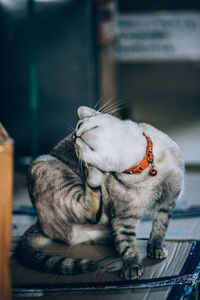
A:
(48, 173)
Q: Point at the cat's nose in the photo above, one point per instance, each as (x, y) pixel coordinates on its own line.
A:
(74, 137)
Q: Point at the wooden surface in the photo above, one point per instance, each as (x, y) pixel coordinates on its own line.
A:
(6, 175)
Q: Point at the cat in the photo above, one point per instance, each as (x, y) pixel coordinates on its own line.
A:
(95, 185)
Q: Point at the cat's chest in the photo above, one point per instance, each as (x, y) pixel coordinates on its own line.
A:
(118, 194)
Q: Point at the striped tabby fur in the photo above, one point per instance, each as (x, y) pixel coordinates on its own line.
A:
(81, 194)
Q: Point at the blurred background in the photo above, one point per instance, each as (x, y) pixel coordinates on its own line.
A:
(56, 55)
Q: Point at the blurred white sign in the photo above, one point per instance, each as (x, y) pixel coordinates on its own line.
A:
(162, 35)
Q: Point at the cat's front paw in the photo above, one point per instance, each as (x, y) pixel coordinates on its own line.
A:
(131, 272)
(95, 177)
(157, 253)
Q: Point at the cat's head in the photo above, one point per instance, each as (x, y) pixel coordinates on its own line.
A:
(106, 142)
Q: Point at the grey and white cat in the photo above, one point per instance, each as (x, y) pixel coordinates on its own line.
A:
(98, 201)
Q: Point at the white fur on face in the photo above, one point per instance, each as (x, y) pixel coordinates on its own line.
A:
(108, 143)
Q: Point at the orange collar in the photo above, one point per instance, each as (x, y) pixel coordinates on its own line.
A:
(146, 161)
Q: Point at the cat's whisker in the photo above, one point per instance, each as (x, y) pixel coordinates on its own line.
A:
(114, 106)
(111, 107)
(105, 109)
(121, 104)
(69, 127)
(98, 102)
(110, 102)
(106, 104)
(112, 111)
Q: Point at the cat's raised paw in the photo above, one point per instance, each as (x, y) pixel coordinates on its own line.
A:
(95, 177)
(131, 272)
(157, 253)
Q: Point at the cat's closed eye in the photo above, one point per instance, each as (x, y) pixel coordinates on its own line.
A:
(79, 124)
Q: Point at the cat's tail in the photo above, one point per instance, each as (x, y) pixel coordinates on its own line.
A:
(30, 253)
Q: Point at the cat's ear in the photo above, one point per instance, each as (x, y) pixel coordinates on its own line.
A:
(85, 112)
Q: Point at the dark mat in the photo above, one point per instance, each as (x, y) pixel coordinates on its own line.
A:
(165, 279)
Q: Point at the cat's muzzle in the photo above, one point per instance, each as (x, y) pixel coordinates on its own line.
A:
(74, 136)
